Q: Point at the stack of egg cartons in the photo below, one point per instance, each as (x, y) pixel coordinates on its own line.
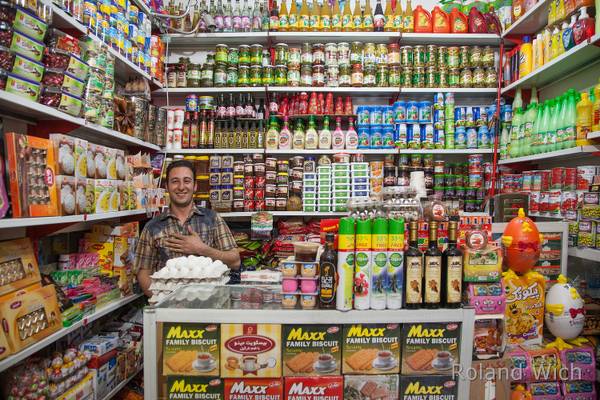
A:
(324, 188)
(309, 192)
(340, 176)
(360, 179)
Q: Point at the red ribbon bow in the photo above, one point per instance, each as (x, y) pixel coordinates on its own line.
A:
(575, 311)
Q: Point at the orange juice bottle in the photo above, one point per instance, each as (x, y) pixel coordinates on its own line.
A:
(293, 17)
(409, 19)
(336, 17)
(357, 20)
(325, 17)
(347, 18)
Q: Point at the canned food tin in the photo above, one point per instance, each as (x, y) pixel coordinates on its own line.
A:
(413, 137)
(191, 103)
(406, 56)
(453, 57)
(419, 56)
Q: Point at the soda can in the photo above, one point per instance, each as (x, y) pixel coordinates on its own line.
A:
(476, 112)
(438, 119)
(460, 116)
(439, 141)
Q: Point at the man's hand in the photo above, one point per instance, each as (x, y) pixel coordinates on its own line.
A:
(187, 244)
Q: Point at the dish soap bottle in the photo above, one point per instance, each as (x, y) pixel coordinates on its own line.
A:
(584, 27)
(441, 23)
(311, 141)
(459, 23)
(422, 20)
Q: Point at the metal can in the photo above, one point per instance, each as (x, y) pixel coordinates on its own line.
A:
(318, 54)
(382, 76)
(191, 103)
(256, 54)
(466, 78)
(453, 57)
(381, 53)
(244, 57)
(432, 77)
(294, 57)
(232, 76)
(318, 75)
(332, 76)
(343, 53)
(491, 78)
(441, 57)
(293, 76)
(280, 77)
(464, 57)
(281, 54)
(476, 56)
(221, 53)
(478, 77)
(394, 75)
(406, 77)
(418, 78)
(431, 55)
(306, 75)
(356, 50)
(393, 54)
(419, 56)
(369, 54)
(454, 78)
(267, 75)
(306, 57)
(331, 54)
(243, 75)
(406, 56)
(488, 57)
(344, 79)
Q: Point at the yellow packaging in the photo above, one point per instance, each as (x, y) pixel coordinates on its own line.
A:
(18, 261)
(102, 190)
(250, 350)
(524, 308)
(104, 247)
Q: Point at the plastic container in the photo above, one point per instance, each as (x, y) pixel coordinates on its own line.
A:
(305, 251)
(27, 46)
(60, 40)
(441, 20)
(23, 87)
(422, 20)
(28, 68)
(30, 24)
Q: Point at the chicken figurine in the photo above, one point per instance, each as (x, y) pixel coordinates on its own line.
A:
(565, 315)
(522, 243)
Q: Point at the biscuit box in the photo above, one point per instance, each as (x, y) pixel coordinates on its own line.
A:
(430, 387)
(429, 348)
(18, 265)
(253, 389)
(371, 387)
(190, 349)
(193, 388)
(311, 350)
(314, 388)
(250, 350)
(371, 349)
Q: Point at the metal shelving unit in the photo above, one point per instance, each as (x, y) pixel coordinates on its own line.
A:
(585, 253)
(559, 154)
(9, 223)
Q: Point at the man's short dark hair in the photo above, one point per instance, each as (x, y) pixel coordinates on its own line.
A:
(180, 164)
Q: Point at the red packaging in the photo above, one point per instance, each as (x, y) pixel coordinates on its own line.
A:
(545, 176)
(259, 194)
(253, 389)
(249, 193)
(314, 388)
(339, 106)
(249, 182)
(283, 108)
(557, 178)
(321, 104)
(302, 103)
(534, 202)
(544, 201)
(570, 179)
(554, 199)
(238, 205)
(568, 201)
(348, 109)
(260, 182)
(312, 104)
(328, 104)
(260, 205)
(248, 205)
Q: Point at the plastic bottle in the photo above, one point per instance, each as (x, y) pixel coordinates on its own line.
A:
(325, 18)
(492, 21)
(441, 22)
(538, 51)
(544, 128)
(552, 13)
(556, 47)
(514, 148)
(560, 10)
(584, 117)
(409, 19)
(285, 136)
(311, 141)
(596, 108)
(357, 20)
(571, 117)
(567, 33)
(325, 135)
(584, 27)
(459, 23)
(338, 139)
(476, 21)
(504, 141)
(536, 139)
(555, 139)
(351, 136)
(525, 57)
(273, 137)
(547, 45)
(561, 120)
(529, 121)
(422, 20)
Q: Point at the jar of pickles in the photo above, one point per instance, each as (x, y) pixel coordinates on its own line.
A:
(267, 75)
(454, 77)
(394, 75)
(476, 56)
(318, 75)
(491, 78)
(232, 76)
(306, 54)
(443, 72)
(406, 77)
(453, 57)
(221, 53)
(345, 79)
(293, 76)
(432, 77)
(193, 75)
(393, 55)
(306, 75)
(419, 56)
(280, 75)
(220, 75)
(382, 76)
(256, 54)
(381, 53)
(406, 56)
(207, 75)
(281, 54)
(369, 53)
(266, 58)
(318, 54)
(332, 76)
(466, 78)
(357, 75)
(418, 78)
(243, 75)
(331, 54)
(441, 57)
(431, 55)
(343, 53)
(488, 57)
(478, 77)
(294, 57)
(369, 72)
(356, 51)
(255, 75)
(233, 56)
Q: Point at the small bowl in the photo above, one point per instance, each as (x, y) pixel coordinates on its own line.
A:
(308, 270)
(289, 285)
(308, 286)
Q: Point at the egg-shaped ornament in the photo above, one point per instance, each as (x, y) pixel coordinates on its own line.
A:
(522, 243)
(565, 315)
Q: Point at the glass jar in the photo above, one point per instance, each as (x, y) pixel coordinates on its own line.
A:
(491, 78)
(382, 77)
(369, 78)
(488, 57)
(267, 75)
(306, 75)
(466, 78)
(406, 56)
(220, 75)
(453, 57)
(280, 75)
(318, 54)
(478, 77)
(357, 75)
(243, 75)
(369, 53)
(295, 57)
(318, 75)
(406, 77)
(441, 57)
(171, 74)
(419, 56)
(393, 55)
(418, 80)
(432, 77)
(454, 77)
(281, 54)
(193, 75)
(221, 53)
(207, 75)
(443, 72)
(266, 58)
(306, 57)
(381, 53)
(256, 54)
(394, 75)
(244, 57)
(181, 76)
(356, 51)
(431, 55)
(476, 56)
(210, 59)
(333, 75)
(255, 75)
(233, 56)
(331, 54)
(293, 76)
(232, 76)
(343, 55)
(464, 57)
(345, 80)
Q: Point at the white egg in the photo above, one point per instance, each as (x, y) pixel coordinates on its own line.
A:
(569, 324)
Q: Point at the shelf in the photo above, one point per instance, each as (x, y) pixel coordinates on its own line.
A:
(330, 151)
(450, 39)
(122, 384)
(248, 214)
(553, 217)
(593, 135)
(365, 91)
(208, 90)
(566, 153)
(110, 136)
(531, 22)
(107, 309)
(63, 20)
(335, 37)
(580, 56)
(213, 151)
(124, 68)
(211, 39)
(446, 151)
(9, 223)
(585, 253)
(459, 93)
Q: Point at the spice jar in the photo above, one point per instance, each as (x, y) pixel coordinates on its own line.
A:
(220, 75)
(207, 75)
(356, 51)
(233, 56)
(255, 75)
(332, 77)
(393, 55)
(418, 79)
(293, 76)
(466, 78)
(343, 53)
(256, 54)
(318, 75)
(232, 76)
(369, 75)
(281, 54)
(243, 75)
(221, 53)
(478, 77)
(295, 57)
(306, 57)
(344, 79)
(267, 75)
(382, 76)
(491, 78)
(280, 75)
(306, 75)
(394, 75)
(454, 77)
(357, 75)
(318, 54)
(244, 57)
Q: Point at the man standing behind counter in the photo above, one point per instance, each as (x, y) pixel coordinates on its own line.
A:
(183, 230)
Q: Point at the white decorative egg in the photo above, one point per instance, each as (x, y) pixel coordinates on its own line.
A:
(569, 324)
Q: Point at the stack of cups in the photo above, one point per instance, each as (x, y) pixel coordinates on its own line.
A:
(174, 128)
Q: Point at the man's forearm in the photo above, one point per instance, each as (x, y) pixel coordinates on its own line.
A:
(145, 281)
(231, 258)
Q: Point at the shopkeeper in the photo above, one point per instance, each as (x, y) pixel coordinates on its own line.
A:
(183, 230)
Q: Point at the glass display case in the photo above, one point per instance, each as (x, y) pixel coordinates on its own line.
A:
(207, 342)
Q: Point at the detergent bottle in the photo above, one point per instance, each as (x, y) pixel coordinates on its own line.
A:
(459, 23)
(422, 19)
(560, 10)
(552, 13)
(441, 21)
(596, 108)
(492, 21)
(567, 33)
(584, 27)
(547, 45)
(584, 118)
(525, 57)
(556, 47)
(476, 21)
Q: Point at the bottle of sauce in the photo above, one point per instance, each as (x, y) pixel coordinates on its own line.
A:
(293, 17)
(273, 134)
(378, 17)
(336, 16)
(328, 274)
(312, 138)
(283, 17)
(459, 23)
(432, 277)
(351, 136)
(452, 267)
(413, 270)
(409, 19)
(325, 135)
(347, 17)
(185, 137)
(298, 136)
(325, 17)
(194, 134)
(368, 23)
(304, 20)
(441, 22)
(338, 137)
(357, 20)
(210, 130)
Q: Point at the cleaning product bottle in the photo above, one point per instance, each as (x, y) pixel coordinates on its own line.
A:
(504, 141)
(363, 267)
(552, 13)
(560, 10)
(596, 109)
(525, 57)
(345, 263)
(422, 20)
(567, 34)
(476, 21)
(538, 50)
(459, 23)
(529, 121)
(584, 118)
(556, 48)
(409, 19)
(571, 119)
(492, 21)
(584, 27)
(441, 22)
(547, 45)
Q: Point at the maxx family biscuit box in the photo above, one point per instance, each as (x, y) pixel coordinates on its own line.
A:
(429, 348)
(371, 349)
(371, 387)
(314, 388)
(253, 389)
(194, 388)
(190, 349)
(250, 351)
(311, 350)
(430, 387)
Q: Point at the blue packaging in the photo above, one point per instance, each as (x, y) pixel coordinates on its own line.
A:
(399, 111)
(376, 136)
(473, 115)
(506, 113)
(388, 136)
(412, 112)
(471, 138)
(413, 136)
(376, 117)
(460, 116)
(364, 140)
(388, 115)
(425, 112)
(460, 138)
(362, 114)
(438, 119)
(438, 101)
(426, 136)
(483, 137)
(439, 138)
(400, 137)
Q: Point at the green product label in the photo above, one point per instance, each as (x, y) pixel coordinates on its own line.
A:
(73, 86)
(28, 69)
(362, 259)
(78, 68)
(396, 260)
(30, 25)
(70, 104)
(380, 260)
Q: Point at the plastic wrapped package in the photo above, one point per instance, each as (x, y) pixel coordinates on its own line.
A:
(7, 12)
(151, 125)
(27, 381)
(139, 110)
(53, 77)
(6, 33)
(60, 40)
(27, 68)
(62, 101)
(7, 58)
(107, 118)
(94, 53)
(161, 126)
(95, 83)
(56, 58)
(124, 118)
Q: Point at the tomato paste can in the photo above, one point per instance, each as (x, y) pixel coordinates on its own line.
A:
(570, 180)
(554, 200)
(544, 201)
(534, 202)
(545, 175)
(527, 181)
(568, 201)
(585, 176)
(557, 178)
